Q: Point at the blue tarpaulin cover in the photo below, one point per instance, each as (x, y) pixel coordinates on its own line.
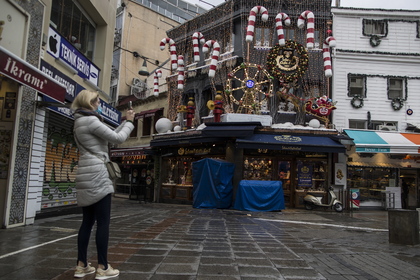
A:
(253, 195)
(212, 183)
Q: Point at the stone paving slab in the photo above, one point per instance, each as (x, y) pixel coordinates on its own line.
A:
(171, 242)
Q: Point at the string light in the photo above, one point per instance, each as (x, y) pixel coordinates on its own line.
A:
(219, 24)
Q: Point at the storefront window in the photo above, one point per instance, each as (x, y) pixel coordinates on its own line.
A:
(284, 174)
(371, 181)
(257, 168)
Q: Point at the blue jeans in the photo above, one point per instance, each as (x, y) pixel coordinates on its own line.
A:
(101, 213)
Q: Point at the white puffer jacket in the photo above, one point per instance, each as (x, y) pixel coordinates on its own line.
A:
(92, 137)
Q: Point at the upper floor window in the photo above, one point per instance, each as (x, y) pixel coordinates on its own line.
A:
(147, 126)
(396, 88)
(72, 22)
(356, 85)
(263, 37)
(134, 131)
(374, 27)
(357, 124)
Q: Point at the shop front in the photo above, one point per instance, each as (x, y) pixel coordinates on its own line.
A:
(20, 82)
(383, 169)
(138, 173)
(302, 161)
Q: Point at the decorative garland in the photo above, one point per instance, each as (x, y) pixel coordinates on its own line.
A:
(397, 103)
(288, 74)
(357, 101)
(374, 40)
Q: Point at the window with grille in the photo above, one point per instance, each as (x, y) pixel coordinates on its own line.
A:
(357, 86)
(396, 88)
(374, 27)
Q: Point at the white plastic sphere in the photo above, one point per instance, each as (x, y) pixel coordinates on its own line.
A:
(177, 128)
(163, 125)
(314, 123)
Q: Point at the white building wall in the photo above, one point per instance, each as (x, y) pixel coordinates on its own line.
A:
(398, 55)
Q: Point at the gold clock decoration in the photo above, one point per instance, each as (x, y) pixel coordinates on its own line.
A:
(289, 62)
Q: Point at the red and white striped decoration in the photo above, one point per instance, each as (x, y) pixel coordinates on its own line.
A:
(172, 48)
(158, 74)
(310, 18)
(181, 72)
(251, 21)
(214, 56)
(197, 39)
(280, 18)
(328, 43)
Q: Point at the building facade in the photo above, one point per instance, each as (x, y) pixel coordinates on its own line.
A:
(135, 80)
(376, 84)
(263, 88)
(66, 43)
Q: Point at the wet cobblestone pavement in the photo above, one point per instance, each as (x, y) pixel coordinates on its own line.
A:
(171, 242)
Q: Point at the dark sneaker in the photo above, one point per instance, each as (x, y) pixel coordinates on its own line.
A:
(106, 274)
(83, 271)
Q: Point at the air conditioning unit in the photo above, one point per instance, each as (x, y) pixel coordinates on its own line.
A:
(388, 127)
(137, 82)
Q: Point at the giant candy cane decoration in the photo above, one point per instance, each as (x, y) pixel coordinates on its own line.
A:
(328, 43)
(251, 21)
(279, 27)
(197, 38)
(214, 56)
(180, 71)
(172, 48)
(158, 74)
(309, 16)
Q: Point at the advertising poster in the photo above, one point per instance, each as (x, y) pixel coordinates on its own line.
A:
(340, 174)
(305, 176)
(355, 198)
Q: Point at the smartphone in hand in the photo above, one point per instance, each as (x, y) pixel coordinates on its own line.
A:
(130, 105)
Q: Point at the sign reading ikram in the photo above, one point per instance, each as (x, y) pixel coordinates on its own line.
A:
(22, 72)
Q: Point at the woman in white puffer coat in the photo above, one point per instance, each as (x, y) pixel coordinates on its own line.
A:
(93, 185)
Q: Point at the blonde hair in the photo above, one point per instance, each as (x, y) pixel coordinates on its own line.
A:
(84, 99)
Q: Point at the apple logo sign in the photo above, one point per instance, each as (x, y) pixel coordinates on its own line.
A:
(53, 44)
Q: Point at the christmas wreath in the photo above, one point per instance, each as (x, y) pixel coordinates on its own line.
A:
(289, 62)
(374, 40)
(357, 101)
(397, 103)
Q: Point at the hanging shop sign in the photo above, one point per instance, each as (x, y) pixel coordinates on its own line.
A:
(110, 114)
(62, 50)
(24, 73)
(61, 78)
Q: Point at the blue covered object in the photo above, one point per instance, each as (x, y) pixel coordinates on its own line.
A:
(255, 195)
(212, 183)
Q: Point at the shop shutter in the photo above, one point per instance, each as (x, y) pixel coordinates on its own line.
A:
(61, 161)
